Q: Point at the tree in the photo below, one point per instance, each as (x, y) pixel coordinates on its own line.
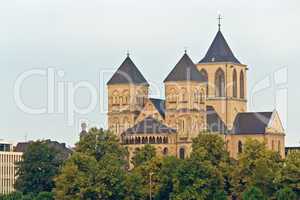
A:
(291, 172)
(40, 164)
(167, 173)
(44, 196)
(145, 154)
(138, 180)
(95, 171)
(257, 167)
(12, 196)
(253, 193)
(204, 174)
(286, 194)
(214, 145)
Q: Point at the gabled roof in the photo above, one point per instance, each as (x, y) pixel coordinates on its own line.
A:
(214, 121)
(127, 73)
(185, 70)
(219, 51)
(149, 125)
(251, 122)
(159, 105)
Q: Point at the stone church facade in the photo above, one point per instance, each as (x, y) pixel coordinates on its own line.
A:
(208, 96)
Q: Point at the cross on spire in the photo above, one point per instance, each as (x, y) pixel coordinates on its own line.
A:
(127, 53)
(185, 50)
(219, 21)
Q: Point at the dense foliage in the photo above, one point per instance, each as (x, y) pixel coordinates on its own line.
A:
(99, 170)
(39, 166)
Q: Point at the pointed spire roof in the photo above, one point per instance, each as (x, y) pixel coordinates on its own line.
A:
(185, 70)
(219, 51)
(127, 73)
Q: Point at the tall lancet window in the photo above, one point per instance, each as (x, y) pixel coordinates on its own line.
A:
(220, 83)
(204, 73)
(242, 85)
(234, 84)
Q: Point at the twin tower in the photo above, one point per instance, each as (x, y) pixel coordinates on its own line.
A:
(196, 94)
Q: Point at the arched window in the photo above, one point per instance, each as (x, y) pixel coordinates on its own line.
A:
(240, 147)
(204, 74)
(172, 96)
(165, 151)
(181, 153)
(202, 96)
(126, 123)
(220, 83)
(234, 84)
(115, 97)
(165, 140)
(242, 85)
(183, 95)
(126, 97)
(116, 125)
(273, 145)
(279, 146)
(196, 96)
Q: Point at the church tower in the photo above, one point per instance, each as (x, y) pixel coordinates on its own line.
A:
(185, 89)
(226, 78)
(127, 94)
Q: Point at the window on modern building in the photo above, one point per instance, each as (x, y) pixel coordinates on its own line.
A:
(220, 83)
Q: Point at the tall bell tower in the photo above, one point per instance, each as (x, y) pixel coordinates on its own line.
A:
(127, 94)
(226, 80)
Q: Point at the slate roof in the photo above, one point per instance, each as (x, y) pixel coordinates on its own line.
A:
(251, 122)
(148, 126)
(159, 105)
(63, 151)
(185, 70)
(214, 121)
(127, 73)
(219, 51)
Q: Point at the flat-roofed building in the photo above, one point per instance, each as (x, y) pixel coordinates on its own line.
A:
(8, 160)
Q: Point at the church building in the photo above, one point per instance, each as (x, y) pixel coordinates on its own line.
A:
(208, 96)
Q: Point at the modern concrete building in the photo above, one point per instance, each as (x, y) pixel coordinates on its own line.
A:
(8, 160)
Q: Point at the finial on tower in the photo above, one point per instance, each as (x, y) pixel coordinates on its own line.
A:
(219, 21)
(127, 53)
(185, 50)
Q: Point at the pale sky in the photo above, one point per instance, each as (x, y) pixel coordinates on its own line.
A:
(83, 40)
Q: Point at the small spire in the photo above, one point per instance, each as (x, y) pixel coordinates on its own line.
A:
(219, 21)
(127, 53)
(185, 50)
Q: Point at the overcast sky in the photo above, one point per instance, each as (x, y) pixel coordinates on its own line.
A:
(87, 40)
